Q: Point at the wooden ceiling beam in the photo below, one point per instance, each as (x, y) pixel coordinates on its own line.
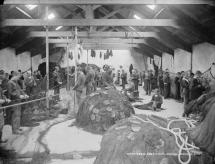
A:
(100, 41)
(190, 24)
(159, 46)
(101, 46)
(172, 40)
(168, 38)
(90, 22)
(150, 49)
(94, 34)
(108, 2)
(144, 52)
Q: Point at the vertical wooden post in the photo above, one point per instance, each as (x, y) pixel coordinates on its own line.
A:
(76, 51)
(191, 62)
(87, 57)
(67, 64)
(75, 58)
(47, 62)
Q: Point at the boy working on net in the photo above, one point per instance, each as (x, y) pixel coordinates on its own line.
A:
(157, 100)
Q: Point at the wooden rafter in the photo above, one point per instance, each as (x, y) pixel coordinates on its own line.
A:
(101, 46)
(94, 34)
(90, 22)
(100, 41)
(109, 2)
(190, 24)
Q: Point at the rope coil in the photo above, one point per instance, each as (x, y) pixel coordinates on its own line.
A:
(184, 146)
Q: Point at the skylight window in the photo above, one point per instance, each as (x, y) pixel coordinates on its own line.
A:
(136, 17)
(132, 28)
(152, 7)
(51, 16)
(59, 27)
(31, 7)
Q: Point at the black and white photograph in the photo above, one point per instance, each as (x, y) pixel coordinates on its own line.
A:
(107, 82)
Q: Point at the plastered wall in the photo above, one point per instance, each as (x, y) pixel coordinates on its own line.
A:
(120, 58)
(182, 60)
(203, 56)
(167, 62)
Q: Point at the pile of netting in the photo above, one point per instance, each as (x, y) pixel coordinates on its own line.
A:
(103, 108)
(199, 105)
(37, 111)
(203, 135)
(150, 140)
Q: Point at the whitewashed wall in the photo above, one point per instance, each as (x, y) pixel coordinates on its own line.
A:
(167, 62)
(203, 56)
(182, 60)
(10, 61)
(120, 58)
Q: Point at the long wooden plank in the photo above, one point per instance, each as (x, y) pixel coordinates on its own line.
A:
(101, 46)
(100, 41)
(91, 22)
(95, 34)
(108, 2)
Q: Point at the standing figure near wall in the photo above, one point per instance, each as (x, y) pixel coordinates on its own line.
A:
(177, 86)
(181, 85)
(3, 100)
(160, 82)
(143, 78)
(166, 81)
(79, 84)
(196, 88)
(123, 79)
(135, 78)
(89, 81)
(147, 83)
(185, 86)
(107, 77)
(16, 94)
(30, 83)
(130, 69)
(57, 82)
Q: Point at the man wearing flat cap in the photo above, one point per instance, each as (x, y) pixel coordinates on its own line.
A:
(16, 94)
(3, 100)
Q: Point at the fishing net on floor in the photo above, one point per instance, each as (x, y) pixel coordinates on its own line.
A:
(103, 108)
(143, 139)
(197, 106)
(203, 135)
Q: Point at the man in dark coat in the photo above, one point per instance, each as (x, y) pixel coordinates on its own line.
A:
(196, 88)
(161, 83)
(135, 78)
(123, 78)
(166, 80)
(90, 80)
(79, 84)
(177, 86)
(147, 82)
(3, 100)
(16, 94)
(107, 78)
(130, 69)
(185, 88)
(57, 82)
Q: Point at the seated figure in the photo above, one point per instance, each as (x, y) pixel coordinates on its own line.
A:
(157, 100)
